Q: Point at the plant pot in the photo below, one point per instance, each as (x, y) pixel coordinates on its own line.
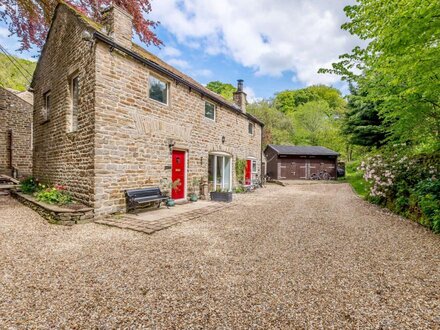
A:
(193, 198)
(170, 202)
(221, 196)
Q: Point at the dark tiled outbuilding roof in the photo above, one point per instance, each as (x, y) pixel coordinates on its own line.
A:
(302, 150)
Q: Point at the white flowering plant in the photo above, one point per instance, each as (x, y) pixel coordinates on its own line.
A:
(408, 185)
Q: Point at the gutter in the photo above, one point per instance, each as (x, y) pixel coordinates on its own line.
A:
(168, 73)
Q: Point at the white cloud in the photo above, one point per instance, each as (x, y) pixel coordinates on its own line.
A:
(4, 33)
(269, 36)
(250, 95)
(170, 51)
(179, 63)
(203, 73)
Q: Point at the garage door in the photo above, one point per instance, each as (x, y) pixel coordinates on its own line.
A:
(324, 165)
(302, 169)
(292, 169)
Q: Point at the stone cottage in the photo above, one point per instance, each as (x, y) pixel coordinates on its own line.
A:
(110, 116)
(15, 133)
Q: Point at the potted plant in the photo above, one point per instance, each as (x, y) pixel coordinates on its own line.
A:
(193, 194)
(221, 195)
(167, 187)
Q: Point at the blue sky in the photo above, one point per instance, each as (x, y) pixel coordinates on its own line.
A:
(272, 44)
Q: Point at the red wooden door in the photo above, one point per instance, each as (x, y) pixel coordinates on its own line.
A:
(248, 172)
(178, 173)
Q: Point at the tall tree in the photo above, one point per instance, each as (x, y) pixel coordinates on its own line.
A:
(30, 20)
(223, 89)
(400, 66)
(362, 123)
(278, 127)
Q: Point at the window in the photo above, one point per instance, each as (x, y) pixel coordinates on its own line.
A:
(254, 166)
(158, 90)
(46, 106)
(219, 172)
(74, 94)
(251, 128)
(209, 110)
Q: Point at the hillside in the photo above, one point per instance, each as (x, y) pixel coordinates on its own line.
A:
(11, 77)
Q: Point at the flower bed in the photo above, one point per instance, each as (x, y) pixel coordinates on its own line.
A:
(63, 215)
(53, 203)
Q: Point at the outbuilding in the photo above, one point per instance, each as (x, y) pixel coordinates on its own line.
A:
(285, 162)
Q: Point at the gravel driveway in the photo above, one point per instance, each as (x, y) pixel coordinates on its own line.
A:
(301, 256)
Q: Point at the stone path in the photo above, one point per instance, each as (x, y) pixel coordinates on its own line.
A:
(137, 223)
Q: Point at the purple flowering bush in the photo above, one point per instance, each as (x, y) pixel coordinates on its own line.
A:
(408, 185)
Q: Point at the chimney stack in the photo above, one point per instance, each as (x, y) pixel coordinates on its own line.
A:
(240, 96)
(118, 25)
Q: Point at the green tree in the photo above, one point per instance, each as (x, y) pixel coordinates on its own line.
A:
(223, 89)
(362, 123)
(15, 77)
(399, 67)
(278, 127)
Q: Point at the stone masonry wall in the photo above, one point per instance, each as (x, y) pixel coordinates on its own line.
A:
(15, 115)
(133, 131)
(61, 156)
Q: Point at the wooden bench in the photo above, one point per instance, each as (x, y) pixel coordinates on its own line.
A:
(140, 197)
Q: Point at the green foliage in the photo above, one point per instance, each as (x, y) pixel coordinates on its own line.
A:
(407, 184)
(278, 127)
(356, 179)
(289, 100)
(240, 165)
(362, 123)
(399, 67)
(10, 76)
(223, 89)
(239, 189)
(29, 185)
(54, 195)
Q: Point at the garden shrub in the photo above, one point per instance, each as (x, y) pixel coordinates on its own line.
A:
(408, 185)
(54, 195)
(29, 185)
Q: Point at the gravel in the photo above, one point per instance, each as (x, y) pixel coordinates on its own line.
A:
(301, 256)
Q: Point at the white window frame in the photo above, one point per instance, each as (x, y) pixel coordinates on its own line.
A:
(251, 131)
(219, 157)
(71, 114)
(254, 163)
(46, 109)
(167, 84)
(215, 111)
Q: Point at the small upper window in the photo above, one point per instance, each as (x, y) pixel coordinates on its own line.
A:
(251, 128)
(209, 110)
(74, 86)
(158, 90)
(254, 166)
(46, 106)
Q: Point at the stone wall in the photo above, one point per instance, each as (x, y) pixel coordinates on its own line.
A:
(133, 132)
(55, 214)
(61, 156)
(15, 116)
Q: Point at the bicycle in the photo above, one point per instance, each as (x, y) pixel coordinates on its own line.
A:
(322, 175)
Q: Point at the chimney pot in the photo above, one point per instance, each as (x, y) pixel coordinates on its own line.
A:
(240, 85)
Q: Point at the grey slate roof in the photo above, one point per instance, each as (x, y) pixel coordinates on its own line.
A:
(302, 150)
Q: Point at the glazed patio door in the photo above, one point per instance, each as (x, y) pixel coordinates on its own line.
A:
(220, 173)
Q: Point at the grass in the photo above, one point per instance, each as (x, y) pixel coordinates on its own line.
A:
(355, 179)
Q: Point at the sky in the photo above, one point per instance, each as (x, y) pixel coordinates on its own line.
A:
(272, 45)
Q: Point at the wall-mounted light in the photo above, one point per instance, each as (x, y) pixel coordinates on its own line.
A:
(223, 139)
(171, 144)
